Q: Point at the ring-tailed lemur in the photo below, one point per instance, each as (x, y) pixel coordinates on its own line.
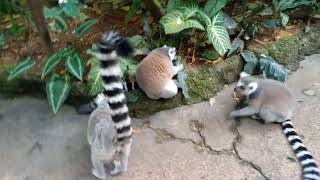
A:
(110, 46)
(154, 76)
(155, 72)
(272, 101)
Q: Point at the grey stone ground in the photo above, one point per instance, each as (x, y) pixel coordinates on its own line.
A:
(190, 142)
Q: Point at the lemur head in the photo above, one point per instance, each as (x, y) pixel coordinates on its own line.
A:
(170, 51)
(246, 85)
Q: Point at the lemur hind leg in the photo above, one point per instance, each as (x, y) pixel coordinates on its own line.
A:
(169, 90)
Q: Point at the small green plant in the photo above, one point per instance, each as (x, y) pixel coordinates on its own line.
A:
(209, 19)
(25, 64)
(269, 67)
(70, 8)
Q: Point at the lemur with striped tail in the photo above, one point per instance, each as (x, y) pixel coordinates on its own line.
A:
(272, 102)
(116, 113)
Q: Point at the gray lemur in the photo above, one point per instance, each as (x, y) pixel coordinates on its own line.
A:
(272, 102)
(155, 72)
(101, 136)
(154, 76)
(110, 46)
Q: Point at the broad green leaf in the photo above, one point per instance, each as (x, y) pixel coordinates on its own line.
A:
(134, 95)
(271, 69)
(236, 45)
(212, 7)
(176, 4)
(54, 59)
(84, 27)
(271, 23)
(57, 88)
(228, 22)
(128, 66)
(284, 19)
(218, 35)
(75, 65)
(133, 10)
(179, 20)
(94, 78)
(93, 50)
(251, 60)
(138, 41)
(20, 68)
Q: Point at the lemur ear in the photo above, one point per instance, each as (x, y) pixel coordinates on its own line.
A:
(243, 74)
(165, 45)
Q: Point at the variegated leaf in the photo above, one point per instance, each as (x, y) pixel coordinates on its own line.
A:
(218, 34)
(94, 78)
(179, 20)
(84, 27)
(75, 65)
(20, 68)
(57, 88)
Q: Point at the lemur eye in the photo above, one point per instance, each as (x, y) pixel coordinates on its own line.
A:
(242, 87)
(250, 88)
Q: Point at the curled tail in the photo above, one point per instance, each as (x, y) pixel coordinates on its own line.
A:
(310, 169)
(111, 46)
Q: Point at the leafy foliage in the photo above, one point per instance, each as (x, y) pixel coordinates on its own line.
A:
(251, 60)
(218, 35)
(283, 5)
(54, 59)
(20, 68)
(133, 10)
(57, 88)
(134, 95)
(179, 20)
(271, 69)
(71, 8)
(84, 27)
(94, 78)
(212, 7)
(75, 65)
(193, 17)
(2, 39)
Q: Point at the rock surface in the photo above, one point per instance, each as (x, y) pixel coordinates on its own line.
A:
(190, 142)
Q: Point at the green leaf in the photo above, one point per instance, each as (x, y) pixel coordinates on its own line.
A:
(94, 78)
(73, 9)
(218, 35)
(271, 69)
(283, 5)
(54, 59)
(57, 88)
(138, 41)
(212, 7)
(211, 54)
(52, 12)
(251, 60)
(284, 19)
(134, 95)
(2, 39)
(75, 65)
(59, 24)
(236, 45)
(20, 68)
(179, 20)
(84, 27)
(176, 4)
(133, 10)
(128, 66)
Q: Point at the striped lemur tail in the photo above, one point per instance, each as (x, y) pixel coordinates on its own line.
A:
(310, 170)
(110, 47)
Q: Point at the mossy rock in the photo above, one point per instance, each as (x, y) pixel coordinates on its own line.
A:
(284, 49)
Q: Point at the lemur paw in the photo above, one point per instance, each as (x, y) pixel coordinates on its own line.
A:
(97, 174)
(117, 168)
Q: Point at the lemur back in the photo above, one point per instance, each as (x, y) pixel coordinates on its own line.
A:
(153, 72)
(110, 46)
(272, 101)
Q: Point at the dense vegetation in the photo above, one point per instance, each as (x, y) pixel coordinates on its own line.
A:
(204, 31)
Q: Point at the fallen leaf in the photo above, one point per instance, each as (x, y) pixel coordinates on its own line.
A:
(212, 101)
